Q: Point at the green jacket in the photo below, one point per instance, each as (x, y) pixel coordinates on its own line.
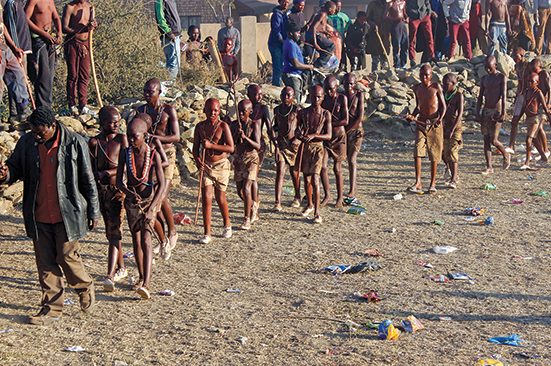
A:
(76, 187)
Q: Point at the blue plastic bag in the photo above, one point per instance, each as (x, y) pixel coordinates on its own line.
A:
(511, 340)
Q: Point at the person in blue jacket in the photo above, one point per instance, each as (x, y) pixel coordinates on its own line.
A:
(278, 34)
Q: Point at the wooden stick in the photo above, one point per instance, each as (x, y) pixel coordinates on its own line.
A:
(28, 84)
(92, 63)
(382, 46)
(200, 186)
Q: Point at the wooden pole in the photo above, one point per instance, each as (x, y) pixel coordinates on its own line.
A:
(200, 186)
(92, 62)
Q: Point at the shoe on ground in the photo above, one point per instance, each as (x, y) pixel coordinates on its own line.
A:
(165, 250)
(172, 241)
(43, 317)
(246, 224)
(227, 233)
(144, 293)
(108, 285)
(510, 151)
(121, 274)
(254, 213)
(295, 203)
(205, 239)
(307, 211)
(87, 300)
(318, 219)
(277, 207)
(157, 249)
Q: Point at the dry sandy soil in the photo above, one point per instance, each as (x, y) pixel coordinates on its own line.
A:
(289, 311)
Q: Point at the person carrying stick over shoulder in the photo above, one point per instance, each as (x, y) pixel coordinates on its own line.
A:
(285, 124)
(314, 127)
(246, 135)
(104, 151)
(429, 135)
(212, 142)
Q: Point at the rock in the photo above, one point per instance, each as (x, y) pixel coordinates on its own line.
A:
(217, 93)
(5, 206)
(505, 63)
(72, 124)
(378, 93)
(14, 191)
(394, 109)
(381, 107)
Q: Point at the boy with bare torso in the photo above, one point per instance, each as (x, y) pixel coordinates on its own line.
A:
(429, 134)
(104, 150)
(246, 136)
(493, 92)
(229, 60)
(212, 143)
(261, 115)
(522, 71)
(354, 128)
(318, 35)
(140, 177)
(78, 20)
(286, 145)
(545, 86)
(453, 130)
(497, 24)
(534, 102)
(166, 130)
(337, 105)
(45, 26)
(314, 127)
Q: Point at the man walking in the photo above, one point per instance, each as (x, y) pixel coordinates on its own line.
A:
(168, 22)
(60, 202)
(419, 12)
(229, 31)
(457, 13)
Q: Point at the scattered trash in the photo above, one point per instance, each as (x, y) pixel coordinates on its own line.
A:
(438, 222)
(516, 201)
(489, 220)
(425, 264)
(388, 331)
(74, 349)
(510, 340)
(370, 296)
(470, 219)
(373, 252)
(352, 201)
(128, 255)
(412, 324)
(68, 302)
(531, 177)
(233, 290)
(371, 325)
(541, 193)
(489, 362)
(215, 330)
(445, 249)
(167, 293)
(525, 356)
(459, 276)
(439, 278)
(445, 318)
(474, 211)
(398, 197)
(489, 187)
(519, 257)
(371, 265)
(352, 325)
(391, 230)
(8, 330)
(357, 210)
(182, 219)
(242, 340)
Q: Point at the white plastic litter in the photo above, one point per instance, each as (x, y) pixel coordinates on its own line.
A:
(446, 249)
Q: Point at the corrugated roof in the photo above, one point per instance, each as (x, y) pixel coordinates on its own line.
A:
(255, 7)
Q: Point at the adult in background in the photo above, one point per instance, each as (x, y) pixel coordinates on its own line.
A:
(229, 31)
(16, 24)
(296, 15)
(355, 41)
(78, 20)
(475, 20)
(543, 8)
(340, 22)
(397, 18)
(13, 75)
(278, 26)
(419, 13)
(498, 25)
(293, 62)
(457, 13)
(45, 26)
(168, 23)
(521, 27)
(440, 33)
(378, 35)
(60, 202)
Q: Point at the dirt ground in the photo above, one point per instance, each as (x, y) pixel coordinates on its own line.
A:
(288, 311)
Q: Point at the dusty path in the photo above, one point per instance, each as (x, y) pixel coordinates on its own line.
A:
(284, 298)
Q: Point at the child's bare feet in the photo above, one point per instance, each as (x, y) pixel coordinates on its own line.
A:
(488, 171)
(277, 207)
(325, 201)
(339, 203)
(137, 285)
(108, 285)
(307, 211)
(318, 219)
(452, 184)
(432, 190)
(254, 212)
(417, 188)
(246, 224)
(205, 239)
(296, 203)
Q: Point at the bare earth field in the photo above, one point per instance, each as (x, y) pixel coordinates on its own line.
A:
(289, 311)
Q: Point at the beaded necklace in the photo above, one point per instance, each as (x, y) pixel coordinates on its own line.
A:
(449, 97)
(130, 162)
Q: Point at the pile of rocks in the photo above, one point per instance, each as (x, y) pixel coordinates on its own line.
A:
(9, 195)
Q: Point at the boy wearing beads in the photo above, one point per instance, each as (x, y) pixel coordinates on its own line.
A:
(104, 150)
(214, 137)
(140, 177)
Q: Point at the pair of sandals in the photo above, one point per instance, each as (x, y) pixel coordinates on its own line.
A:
(413, 189)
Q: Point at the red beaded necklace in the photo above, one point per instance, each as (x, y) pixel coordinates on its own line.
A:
(132, 164)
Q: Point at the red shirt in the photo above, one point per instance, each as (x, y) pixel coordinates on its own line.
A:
(47, 200)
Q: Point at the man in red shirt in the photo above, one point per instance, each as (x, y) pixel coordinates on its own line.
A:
(57, 212)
